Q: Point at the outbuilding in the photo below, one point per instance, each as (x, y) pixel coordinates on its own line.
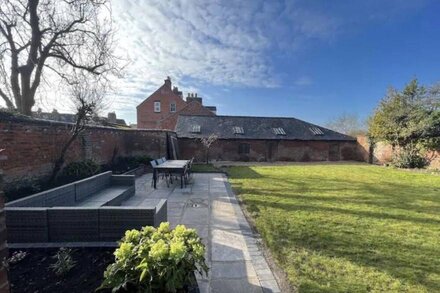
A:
(246, 138)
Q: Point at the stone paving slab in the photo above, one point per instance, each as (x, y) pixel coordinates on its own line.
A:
(208, 205)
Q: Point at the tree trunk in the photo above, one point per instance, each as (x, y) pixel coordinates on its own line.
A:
(27, 96)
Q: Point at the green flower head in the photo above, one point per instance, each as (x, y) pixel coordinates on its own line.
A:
(159, 250)
(164, 227)
(177, 250)
(132, 236)
(124, 251)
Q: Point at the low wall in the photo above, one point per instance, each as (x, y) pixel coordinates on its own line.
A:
(272, 150)
(80, 224)
(31, 146)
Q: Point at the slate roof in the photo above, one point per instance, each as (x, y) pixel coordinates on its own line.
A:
(254, 128)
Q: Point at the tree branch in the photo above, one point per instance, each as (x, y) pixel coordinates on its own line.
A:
(8, 101)
(91, 69)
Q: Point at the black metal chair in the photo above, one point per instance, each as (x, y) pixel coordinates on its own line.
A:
(165, 175)
(189, 168)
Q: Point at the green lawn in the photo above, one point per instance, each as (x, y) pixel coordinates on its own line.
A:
(347, 228)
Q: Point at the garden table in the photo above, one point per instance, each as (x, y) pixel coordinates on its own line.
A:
(171, 166)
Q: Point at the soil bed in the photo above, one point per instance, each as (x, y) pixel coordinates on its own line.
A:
(33, 273)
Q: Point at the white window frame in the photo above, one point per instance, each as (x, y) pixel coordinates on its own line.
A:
(171, 107)
(157, 107)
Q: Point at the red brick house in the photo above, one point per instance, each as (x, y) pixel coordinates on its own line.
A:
(161, 109)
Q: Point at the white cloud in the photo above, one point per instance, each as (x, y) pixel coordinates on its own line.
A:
(227, 43)
(202, 43)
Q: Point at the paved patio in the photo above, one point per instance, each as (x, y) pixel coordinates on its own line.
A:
(208, 205)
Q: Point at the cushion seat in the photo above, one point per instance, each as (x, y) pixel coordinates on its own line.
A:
(103, 197)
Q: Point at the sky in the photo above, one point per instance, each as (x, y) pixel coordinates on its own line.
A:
(312, 60)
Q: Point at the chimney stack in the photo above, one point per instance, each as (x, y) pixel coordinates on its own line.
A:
(193, 97)
(168, 82)
(111, 116)
(177, 92)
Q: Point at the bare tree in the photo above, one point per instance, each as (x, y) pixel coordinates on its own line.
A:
(207, 143)
(55, 35)
(348, 124)
(87, 97)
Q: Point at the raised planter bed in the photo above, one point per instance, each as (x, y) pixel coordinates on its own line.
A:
(86, 210)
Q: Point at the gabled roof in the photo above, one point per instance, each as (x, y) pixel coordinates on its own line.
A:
(254, 128)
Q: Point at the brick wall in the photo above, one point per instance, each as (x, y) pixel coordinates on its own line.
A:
(382, 153)
(271, 150)
(32, 146)
(4, 287)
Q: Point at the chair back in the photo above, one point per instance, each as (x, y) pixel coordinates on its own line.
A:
(153, 163)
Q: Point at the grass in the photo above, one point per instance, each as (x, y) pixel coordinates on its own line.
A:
(347, 228)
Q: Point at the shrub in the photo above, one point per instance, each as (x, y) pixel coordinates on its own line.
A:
(124, 164)
(151, 259)
(143, 160)
(409, 159)
(64, 261)
(79, 170)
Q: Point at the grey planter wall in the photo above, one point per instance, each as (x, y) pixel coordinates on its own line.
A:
(54, 215)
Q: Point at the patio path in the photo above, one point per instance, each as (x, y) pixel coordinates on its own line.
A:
(208, 205)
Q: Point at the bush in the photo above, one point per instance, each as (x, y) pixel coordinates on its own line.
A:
(79, 170)
(124, 164)
(143, 160)
(409, 159)
(151, 259)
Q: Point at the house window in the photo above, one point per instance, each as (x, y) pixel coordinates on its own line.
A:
(157, 107)
(173, 107)
(244, 148)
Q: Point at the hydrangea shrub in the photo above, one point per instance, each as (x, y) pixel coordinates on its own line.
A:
(156, 260)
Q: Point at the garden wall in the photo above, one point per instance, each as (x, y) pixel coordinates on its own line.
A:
(382, 153)
(31, 146)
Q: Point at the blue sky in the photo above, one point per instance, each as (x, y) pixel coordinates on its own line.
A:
(348, 72)
(307, 59)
